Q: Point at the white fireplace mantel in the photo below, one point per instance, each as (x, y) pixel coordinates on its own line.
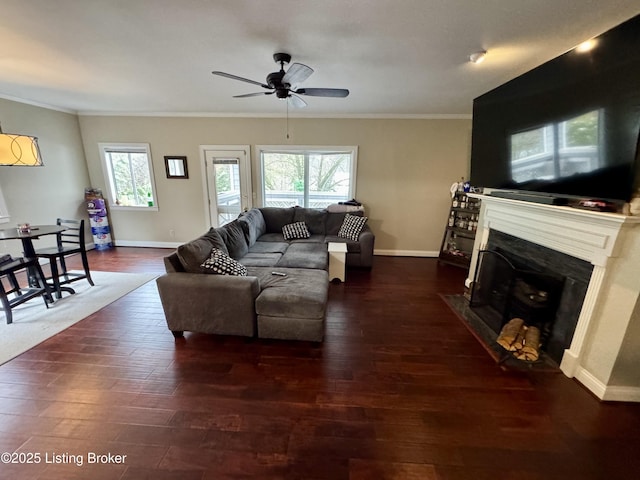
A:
(601, 353)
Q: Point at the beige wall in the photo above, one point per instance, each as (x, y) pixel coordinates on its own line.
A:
(39, 195)
(626, 371)
(612, 354)
(405, 169)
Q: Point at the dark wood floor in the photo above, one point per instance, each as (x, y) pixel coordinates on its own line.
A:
(398, 390)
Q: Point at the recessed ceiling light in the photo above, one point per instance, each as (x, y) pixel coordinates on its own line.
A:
(586, 46)
(478, 57)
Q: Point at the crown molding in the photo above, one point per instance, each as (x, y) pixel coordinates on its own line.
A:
(365, 116)
(38, 104)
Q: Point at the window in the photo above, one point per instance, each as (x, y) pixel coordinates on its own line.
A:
(129, 173)
(313, 177)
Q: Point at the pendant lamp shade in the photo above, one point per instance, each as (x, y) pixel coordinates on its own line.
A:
(20, 150)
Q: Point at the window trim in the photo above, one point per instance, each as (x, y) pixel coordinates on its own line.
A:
(303, 149)
(106, 170)
(4, 211)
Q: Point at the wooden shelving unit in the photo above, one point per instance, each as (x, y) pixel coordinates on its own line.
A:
(460, 232)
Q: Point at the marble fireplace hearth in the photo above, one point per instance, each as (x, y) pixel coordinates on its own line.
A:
(604, 350)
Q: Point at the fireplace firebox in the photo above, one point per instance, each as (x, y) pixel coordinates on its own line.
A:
(544, 287)
(504, 288)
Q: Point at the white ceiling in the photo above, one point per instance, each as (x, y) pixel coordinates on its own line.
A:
(397, 57)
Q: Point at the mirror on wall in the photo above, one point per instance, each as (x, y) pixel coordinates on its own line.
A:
(176, 166)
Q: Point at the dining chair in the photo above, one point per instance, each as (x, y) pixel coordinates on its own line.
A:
(70, 241)
(15, 295)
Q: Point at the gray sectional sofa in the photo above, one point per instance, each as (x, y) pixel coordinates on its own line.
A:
(291, 305)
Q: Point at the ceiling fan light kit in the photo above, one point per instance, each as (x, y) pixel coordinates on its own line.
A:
(284, 83)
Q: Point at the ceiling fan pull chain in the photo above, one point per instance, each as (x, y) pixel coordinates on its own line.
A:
(287, 102)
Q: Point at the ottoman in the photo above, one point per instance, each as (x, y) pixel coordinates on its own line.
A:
(293, 307)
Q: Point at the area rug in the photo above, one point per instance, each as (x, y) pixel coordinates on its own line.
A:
(33, 323)
(487, 338)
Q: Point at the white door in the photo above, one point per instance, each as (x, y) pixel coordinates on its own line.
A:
(228, 183)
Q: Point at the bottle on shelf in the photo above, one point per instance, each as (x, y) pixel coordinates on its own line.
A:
(462, 223)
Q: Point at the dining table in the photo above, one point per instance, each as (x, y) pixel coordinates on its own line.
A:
(27, 236)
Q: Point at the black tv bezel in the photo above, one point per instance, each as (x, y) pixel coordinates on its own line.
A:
(620, 47)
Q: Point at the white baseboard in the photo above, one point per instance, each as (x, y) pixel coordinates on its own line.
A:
(569, 364)
(622, 394)
(594, 385)
(610, 393)
(146, 243)
(407, 253)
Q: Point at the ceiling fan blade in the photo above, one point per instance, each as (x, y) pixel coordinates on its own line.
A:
(297, 73)
(257, 94)
(323, 92)
(242, 79)
(296, 102)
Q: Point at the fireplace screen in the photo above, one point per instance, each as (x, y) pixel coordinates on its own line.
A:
(504, 289)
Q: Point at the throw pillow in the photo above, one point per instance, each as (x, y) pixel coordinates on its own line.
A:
(222, 264)
(351, 227)
(295, 230)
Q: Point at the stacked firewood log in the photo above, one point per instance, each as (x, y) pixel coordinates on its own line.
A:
(521, 340)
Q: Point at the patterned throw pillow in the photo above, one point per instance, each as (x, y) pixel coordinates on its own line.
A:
(220, 263)
(351, 227)
(295, 230)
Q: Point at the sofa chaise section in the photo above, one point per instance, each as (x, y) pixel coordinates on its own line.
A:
(292, 307)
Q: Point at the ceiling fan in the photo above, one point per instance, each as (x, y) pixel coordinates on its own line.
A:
(284, 84)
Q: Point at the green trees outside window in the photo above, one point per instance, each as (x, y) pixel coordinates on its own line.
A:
(308, 179)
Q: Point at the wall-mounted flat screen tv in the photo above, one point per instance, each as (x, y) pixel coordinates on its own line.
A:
(569, 128)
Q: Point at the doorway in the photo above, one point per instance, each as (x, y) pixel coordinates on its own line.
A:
(227, 181)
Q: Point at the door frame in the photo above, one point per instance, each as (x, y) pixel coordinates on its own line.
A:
(244, 172)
